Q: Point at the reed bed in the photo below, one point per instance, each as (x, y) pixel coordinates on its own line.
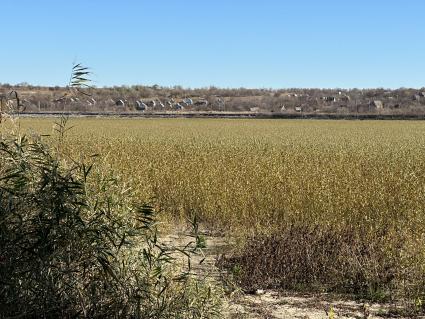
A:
(239, 173)
(356, 184)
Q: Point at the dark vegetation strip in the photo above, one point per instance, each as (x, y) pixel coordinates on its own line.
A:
(231, 115)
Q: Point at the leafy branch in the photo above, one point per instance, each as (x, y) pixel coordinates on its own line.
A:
(80, 79)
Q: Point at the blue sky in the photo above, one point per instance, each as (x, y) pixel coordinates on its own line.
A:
(198, 43)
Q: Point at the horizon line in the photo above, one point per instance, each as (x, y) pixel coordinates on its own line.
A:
(181, 87)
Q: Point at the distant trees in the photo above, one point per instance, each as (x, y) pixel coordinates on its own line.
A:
(235, 99)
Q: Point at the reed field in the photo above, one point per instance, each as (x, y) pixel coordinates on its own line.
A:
(249, 174)
(328, 205)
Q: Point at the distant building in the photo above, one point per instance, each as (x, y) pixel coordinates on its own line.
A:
(329, 98)
(188, 101)
(201, 102)
(345, 98)
(179, 107)
(140, 106)
(377, 104)
(120, 103)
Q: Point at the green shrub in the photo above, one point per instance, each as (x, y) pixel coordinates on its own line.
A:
(72, 244)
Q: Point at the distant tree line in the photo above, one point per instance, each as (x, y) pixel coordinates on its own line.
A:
(159, 98)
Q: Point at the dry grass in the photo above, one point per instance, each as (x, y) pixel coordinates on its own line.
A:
(355, 181)
(235, 173)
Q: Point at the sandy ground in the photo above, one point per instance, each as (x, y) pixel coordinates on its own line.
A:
(270, 304)
(278, 305)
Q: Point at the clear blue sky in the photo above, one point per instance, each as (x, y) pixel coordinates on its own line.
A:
(198, 43)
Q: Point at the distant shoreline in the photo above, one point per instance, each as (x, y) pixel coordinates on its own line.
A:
(229, 115)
